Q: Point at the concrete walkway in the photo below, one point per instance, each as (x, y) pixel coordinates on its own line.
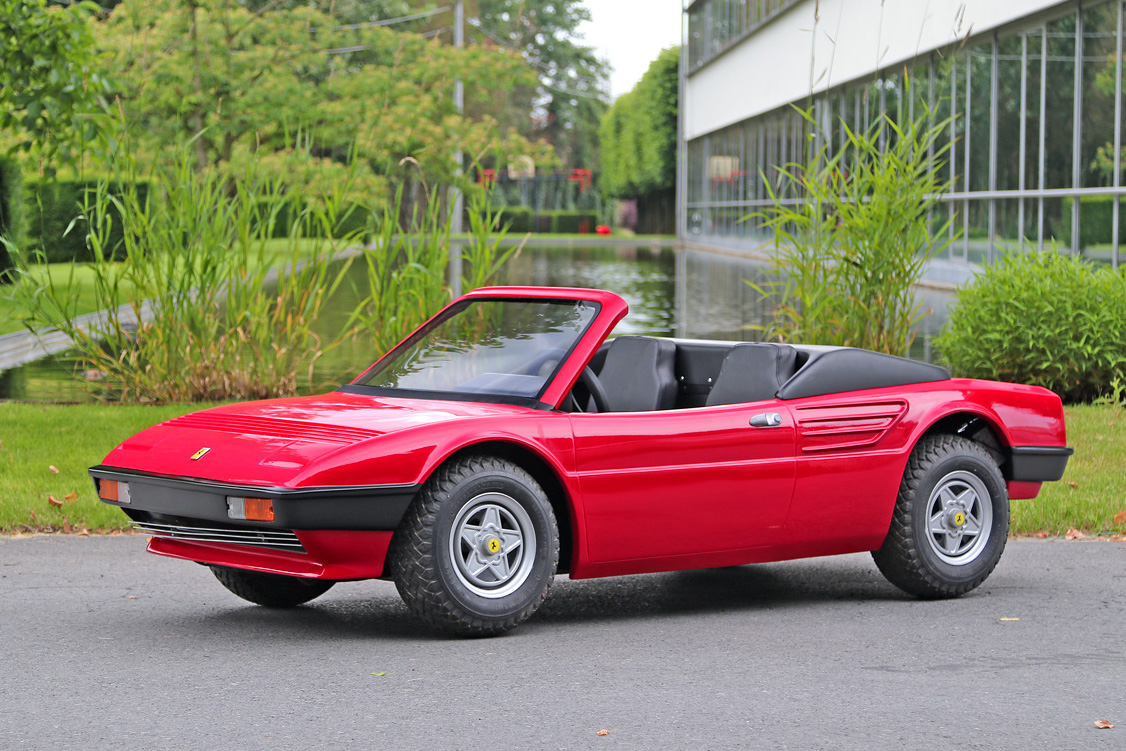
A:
(24, 347)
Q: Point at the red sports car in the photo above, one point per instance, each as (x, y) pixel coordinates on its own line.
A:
(508, 440)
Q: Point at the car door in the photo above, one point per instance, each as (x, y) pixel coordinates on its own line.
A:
(851, 456)
(683, 482)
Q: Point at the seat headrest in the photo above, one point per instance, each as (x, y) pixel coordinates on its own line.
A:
(753, 372)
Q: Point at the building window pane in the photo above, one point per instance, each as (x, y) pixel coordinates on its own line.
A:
(1057, 224)
(1100, 31)
(1059, 106)
(1009, 77)
(1033, 56)
(1095, 225)
(977, 231)
(980, 106)
(1007, 229)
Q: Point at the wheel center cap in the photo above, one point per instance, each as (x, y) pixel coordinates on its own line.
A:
(491, 545)
(959, 519)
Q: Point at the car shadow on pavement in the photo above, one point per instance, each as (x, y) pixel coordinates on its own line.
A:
(366, 610)
(738, 588)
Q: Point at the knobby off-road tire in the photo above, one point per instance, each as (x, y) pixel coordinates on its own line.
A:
(478, 548)
(271, 590)
(951, 520)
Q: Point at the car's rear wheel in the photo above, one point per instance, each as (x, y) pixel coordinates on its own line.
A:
(951, 520)
(271, 590)
(477, 550)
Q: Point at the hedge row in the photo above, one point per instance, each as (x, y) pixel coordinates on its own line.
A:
(523, 219)
(50, 207)
(1046, 319)
(11, 208)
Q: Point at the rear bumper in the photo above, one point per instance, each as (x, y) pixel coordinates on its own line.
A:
(1038, 463)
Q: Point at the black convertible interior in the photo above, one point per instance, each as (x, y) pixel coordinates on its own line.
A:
(646, 373)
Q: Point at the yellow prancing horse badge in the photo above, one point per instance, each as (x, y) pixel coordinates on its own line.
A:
(199, 454)
(494, 545)
(959, 519)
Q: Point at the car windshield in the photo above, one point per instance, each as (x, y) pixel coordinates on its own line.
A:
(506, 348)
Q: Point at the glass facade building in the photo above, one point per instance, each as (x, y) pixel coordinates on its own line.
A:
(1036, 158)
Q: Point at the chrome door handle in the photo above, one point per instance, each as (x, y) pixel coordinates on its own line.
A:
(766, 420)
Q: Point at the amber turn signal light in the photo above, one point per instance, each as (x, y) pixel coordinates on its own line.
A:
(112, 490)
(250, 509)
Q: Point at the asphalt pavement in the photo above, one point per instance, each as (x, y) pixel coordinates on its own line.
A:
(103, 646)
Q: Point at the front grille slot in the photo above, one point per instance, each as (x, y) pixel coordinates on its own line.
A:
(281, 539)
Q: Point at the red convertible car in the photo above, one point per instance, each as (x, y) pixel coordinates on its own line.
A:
(508, 440)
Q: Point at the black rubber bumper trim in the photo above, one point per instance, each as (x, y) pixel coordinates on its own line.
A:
(359, 507)
(1038, 463)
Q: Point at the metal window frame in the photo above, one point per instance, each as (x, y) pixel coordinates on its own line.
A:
(770, 132)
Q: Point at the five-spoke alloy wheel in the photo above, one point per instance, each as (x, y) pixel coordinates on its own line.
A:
(478, 548)
(950, 521)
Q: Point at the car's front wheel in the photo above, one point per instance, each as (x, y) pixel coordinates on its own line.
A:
(478, 548)
(951, 520)
(271, 590)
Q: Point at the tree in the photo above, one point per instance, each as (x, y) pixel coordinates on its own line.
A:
(639, 144)
(240, 81)
(570, 98)
(51, 93)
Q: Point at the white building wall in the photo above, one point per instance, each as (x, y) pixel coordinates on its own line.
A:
(794, 54)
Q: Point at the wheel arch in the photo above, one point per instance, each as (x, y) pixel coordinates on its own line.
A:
(543, 473)
(978, 428)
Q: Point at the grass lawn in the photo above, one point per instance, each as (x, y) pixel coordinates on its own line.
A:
(36, 437)
(70, 438)
(1093, 489)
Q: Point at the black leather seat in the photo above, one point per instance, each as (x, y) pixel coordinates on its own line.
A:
(753, 372)
(639, 374)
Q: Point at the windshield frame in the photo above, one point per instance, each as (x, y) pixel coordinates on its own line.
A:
(457, 307)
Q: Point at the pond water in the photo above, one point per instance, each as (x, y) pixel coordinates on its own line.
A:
(684, 293)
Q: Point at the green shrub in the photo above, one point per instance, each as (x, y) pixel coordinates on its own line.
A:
(517, 218)
(573, 222)
(1041, 318)
(11, 209)
(55, 225)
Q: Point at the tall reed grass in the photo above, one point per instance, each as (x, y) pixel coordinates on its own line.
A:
(203, 303)
(852, 231)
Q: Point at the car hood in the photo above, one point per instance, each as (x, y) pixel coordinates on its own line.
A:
(272, 442)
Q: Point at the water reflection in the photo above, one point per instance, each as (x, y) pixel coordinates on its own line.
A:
(686, 293)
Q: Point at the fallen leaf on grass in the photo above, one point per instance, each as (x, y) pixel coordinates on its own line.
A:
(71, 497)
(1071, 484)
(53, 468)
(54, 501)
(1120, 517)
(1104, 724)
(1074, 534)
(603, 731)
(1042, 535)
(84, 532)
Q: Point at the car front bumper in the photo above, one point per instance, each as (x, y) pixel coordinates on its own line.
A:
(324, 533)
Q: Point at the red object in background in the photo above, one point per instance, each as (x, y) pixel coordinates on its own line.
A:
(813, 468)
(584, 177)
(602, 229)
(486, 176)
